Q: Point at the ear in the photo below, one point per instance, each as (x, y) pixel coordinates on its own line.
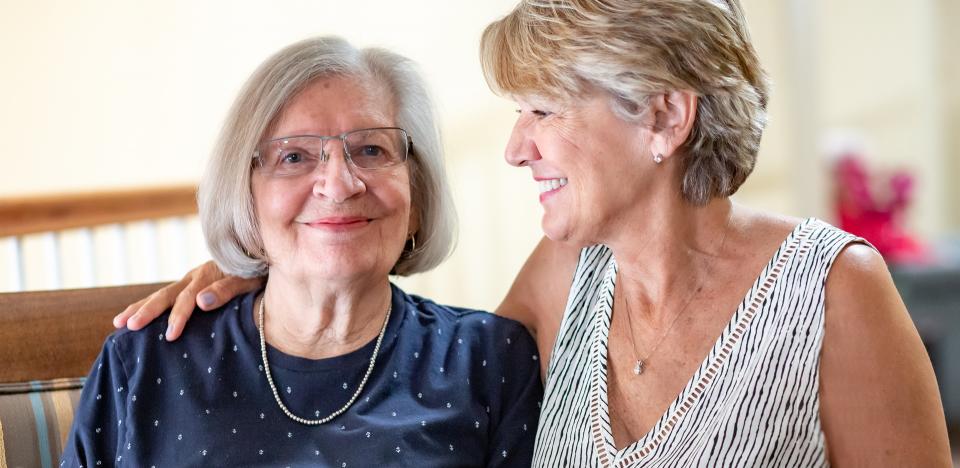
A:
(673, 115)
(414, 224)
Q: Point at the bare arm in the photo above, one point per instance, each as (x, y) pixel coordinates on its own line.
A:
(205, 286)
(880, 405)
(539, 293)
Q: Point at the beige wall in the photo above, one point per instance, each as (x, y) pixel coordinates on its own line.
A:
(105, 93)
(113, 93)
(947, 13)
(881, 78)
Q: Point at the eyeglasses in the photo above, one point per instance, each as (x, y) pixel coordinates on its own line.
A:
(368, 148)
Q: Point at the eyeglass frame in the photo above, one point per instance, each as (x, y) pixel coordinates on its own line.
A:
(324, 156)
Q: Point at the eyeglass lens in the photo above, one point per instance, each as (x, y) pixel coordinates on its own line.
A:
(367, 149)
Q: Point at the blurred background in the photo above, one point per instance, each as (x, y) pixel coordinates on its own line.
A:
(104, 96)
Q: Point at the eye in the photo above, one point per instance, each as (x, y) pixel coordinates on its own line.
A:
(291, 157)
(539, 114)
(294, 159)
(370, 151)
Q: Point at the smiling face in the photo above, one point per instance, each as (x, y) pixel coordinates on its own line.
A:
(592, 167)
(338, 222)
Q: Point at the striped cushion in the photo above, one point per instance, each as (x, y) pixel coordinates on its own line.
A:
(35, 420)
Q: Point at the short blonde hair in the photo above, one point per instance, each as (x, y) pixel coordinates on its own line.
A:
(635, 48)
(224, 196)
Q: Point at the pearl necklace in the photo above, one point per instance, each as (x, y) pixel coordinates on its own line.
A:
(276, 394)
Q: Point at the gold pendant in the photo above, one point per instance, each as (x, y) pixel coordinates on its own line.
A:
(638, 369)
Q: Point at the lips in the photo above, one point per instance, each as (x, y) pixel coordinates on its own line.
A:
(549, 186)
(338, 223)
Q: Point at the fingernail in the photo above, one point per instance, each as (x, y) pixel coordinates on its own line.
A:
(169, 331)
(206, 299)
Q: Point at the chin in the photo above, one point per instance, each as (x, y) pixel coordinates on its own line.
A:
(555, 229)
(327, 263)
(562, 229)
(334, 272)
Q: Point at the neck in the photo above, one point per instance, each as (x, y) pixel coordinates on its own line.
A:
(306, 319)
(665, 254)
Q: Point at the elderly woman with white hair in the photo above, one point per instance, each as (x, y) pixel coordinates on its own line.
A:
(328, 177)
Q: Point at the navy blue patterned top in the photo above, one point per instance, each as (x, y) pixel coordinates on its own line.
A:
(451, 387)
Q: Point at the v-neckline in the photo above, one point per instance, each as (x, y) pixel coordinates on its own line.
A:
(600, 428)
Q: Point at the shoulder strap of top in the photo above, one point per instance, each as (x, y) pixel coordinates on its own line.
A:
(827, 241)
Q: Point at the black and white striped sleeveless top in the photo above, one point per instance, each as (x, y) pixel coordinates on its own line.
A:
(753, 401)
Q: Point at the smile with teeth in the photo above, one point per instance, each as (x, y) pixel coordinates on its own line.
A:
(551, 184)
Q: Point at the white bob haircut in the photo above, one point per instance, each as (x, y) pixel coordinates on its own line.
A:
(224, 197)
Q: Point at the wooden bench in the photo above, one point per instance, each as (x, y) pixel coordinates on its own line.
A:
(48, 343)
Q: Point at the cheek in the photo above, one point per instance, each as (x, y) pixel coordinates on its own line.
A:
(397, 190)
(273, 207)
(399, 200)
(566, 134)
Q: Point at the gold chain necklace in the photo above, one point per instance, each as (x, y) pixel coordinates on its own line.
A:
(276, 394)
(641, 363)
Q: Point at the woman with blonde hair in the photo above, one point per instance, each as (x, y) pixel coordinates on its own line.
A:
(696, 331)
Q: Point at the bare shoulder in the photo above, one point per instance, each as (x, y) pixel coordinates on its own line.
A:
(536, 298)
(857, 262)
(759, 231)
(766, 221)
(859, 288)
(875, 372)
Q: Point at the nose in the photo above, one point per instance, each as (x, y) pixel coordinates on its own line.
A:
(521, 147)
(335, 178)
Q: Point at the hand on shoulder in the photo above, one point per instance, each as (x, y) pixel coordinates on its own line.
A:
(205, 286)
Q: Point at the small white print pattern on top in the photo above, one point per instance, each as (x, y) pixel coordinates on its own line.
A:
(752, 402)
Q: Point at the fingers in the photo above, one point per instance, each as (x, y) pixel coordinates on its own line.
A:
(183, 307)
(146, 310)
(185, 299)
(205, 286)
(180, 295)
(120, 320)
(221, 291)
